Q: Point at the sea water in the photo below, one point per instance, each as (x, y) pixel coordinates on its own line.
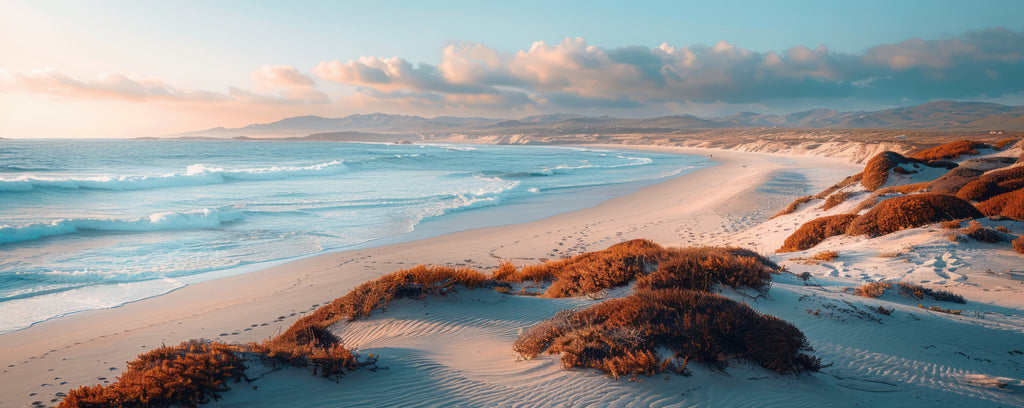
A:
(88, 224)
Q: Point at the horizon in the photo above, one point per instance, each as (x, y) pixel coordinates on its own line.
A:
(124, 70)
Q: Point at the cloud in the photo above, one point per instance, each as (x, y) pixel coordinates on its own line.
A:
(988, 62)
(114, 86)
(275, 85)
(289, 81)
(573, 73)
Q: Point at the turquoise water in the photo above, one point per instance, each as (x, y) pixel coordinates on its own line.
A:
(97, 223)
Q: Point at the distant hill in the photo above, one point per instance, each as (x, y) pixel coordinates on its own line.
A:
(344, 136)
(306, 125)
(938, 115)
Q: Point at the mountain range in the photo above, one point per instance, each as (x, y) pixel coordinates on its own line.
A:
(937, 116)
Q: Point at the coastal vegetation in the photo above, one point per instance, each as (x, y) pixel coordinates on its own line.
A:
(623, 336)
(671, 306)
(836, 199)
(951, 150)
(185, 375)
(911, 211)
(916, 292)
(813, 232)
(991, 186)
(792, 207)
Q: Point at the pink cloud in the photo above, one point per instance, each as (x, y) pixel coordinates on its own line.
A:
(113, 86)
(274, 84)
(289, 81)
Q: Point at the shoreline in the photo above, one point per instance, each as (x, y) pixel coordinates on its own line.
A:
(90, 347)
(523, 209)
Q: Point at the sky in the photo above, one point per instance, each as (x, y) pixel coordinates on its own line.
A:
(144, 68)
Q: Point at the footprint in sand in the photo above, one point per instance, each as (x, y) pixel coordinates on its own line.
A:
(944, 264)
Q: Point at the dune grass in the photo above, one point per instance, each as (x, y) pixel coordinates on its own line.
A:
(1005, 143)
(623, 336)
(185, 375)
(825, 256)
(992, 184)
(836, 199)
(876, 170)
(1009, 205)
(650, 265)
(591, 272)
(951, 150)
(704, 268)
(979, 232)
(951, 224)
(979, 190)
(917, 292)
(795, 205)
(1018, 244)
(911, 211)
(815, 231)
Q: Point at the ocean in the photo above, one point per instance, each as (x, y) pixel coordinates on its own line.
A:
(89, 224)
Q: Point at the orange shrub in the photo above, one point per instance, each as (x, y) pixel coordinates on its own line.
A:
(701, 268)
(835, 199)
(698, 268)
(876, 289)
(622, 336)
(951, 224)
(1011, 185)
(919, 292)
(815, 231)
(1004, 143)
(792, 207)
(872, 289)
(978, 232)
(1010, 205)
(911, 211)
(186, 375)
(1018, 244)
(950, 150)
(979, 190)
(329, 359)
(865, 204)
(998, 176)
(904, 189)
(414, 282)
(825, 256)
(593, 272)
(876, 171)
(505, 269)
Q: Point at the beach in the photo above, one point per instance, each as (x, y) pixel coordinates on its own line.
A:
(706, 207)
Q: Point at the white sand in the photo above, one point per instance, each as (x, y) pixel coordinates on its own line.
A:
(456, 350)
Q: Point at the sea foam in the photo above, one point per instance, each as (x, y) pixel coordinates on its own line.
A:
(195, 175)
(161, 221)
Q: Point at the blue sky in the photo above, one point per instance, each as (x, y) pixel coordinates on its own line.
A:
(185, 64)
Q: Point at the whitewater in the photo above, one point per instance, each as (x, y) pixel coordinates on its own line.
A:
(98, 223)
